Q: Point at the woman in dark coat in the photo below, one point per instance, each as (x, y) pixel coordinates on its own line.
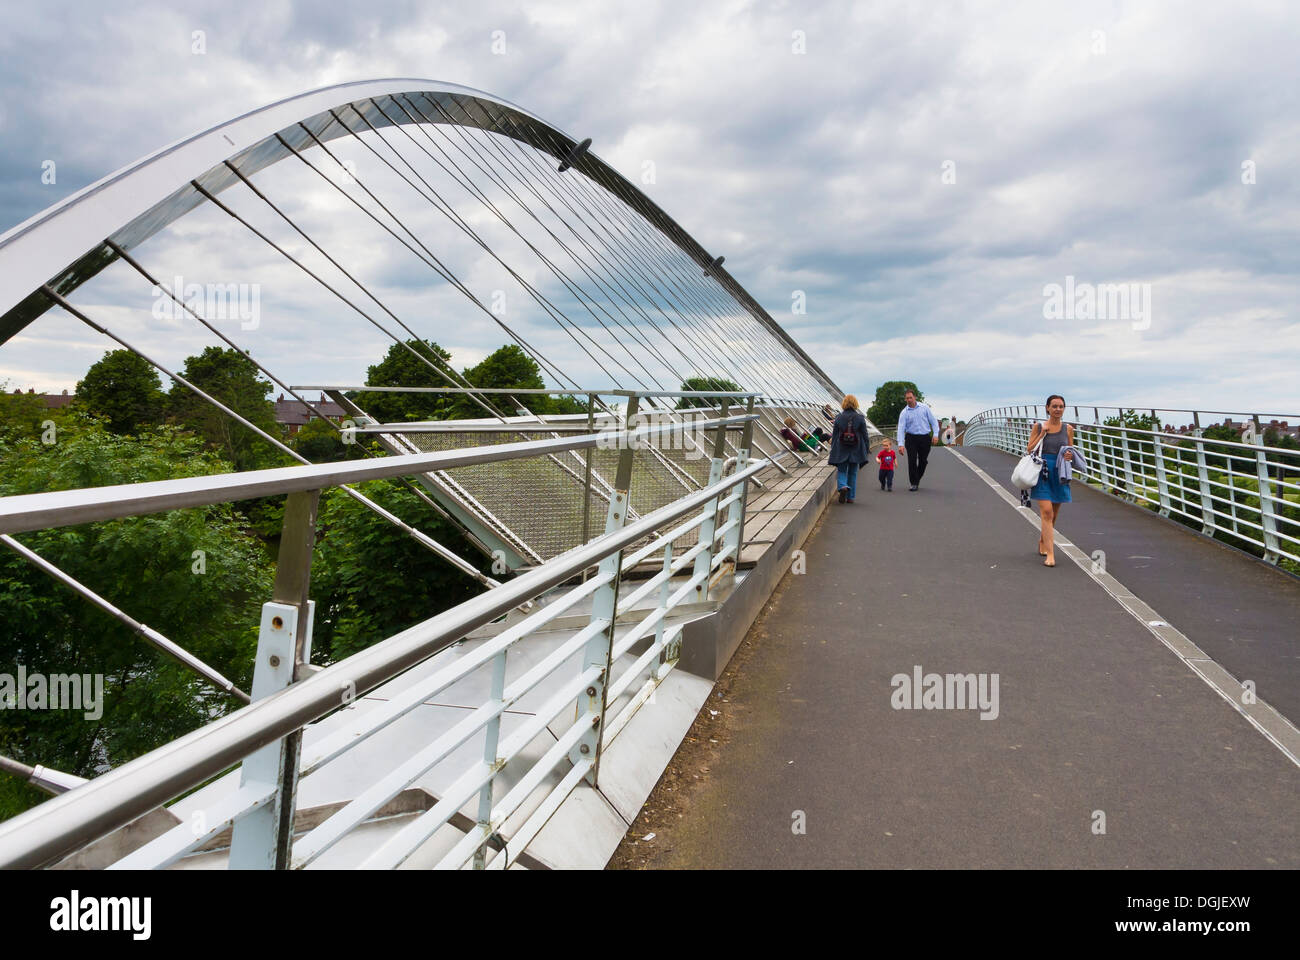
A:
(849, 447)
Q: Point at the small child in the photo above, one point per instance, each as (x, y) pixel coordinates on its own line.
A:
(886, 455)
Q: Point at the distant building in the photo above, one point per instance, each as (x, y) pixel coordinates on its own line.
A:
(1282, 426)
(53, 401)
(293, 414)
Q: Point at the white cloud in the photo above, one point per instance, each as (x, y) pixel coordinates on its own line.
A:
(819, 172)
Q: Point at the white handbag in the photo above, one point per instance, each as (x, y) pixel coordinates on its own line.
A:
(1030, 467)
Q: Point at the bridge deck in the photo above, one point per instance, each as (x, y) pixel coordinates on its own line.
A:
(1095, 713)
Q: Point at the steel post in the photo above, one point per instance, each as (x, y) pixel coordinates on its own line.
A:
(704, 559)
(1128, 460)
(1267, 515)
(263, 839)
(604, 607)
(491, 740)
(1162, 480)
(735, 538)
(1203, 475)
(667, 658)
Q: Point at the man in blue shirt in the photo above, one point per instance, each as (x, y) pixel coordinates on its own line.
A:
(917, 428)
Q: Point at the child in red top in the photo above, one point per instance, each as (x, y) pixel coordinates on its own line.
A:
(886, 456)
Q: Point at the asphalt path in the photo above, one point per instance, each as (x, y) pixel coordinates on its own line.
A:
(1242, 612)
(1106, 750)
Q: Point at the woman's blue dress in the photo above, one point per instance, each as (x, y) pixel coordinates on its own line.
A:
(1048, 486)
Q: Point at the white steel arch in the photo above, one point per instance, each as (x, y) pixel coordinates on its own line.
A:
(64, 245)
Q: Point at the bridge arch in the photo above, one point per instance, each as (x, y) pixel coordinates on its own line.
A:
(67, 244)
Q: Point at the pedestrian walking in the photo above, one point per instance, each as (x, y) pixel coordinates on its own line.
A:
(848, 447)
(917, 429)
(1060, 458)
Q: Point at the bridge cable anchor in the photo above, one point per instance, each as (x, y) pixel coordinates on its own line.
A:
(574, 155)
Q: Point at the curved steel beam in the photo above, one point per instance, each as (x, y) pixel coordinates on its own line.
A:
(64, 245)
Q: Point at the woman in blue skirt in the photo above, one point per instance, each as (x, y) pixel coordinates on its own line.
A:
(1051, 491)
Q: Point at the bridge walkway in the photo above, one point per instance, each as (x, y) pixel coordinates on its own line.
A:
(1096, 717)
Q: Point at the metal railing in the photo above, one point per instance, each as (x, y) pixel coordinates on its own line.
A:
(1244, 492)
(267, 737)
(576, 487)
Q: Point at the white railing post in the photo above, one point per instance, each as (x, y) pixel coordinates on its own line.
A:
(1090, 441)
(263, 839)
(667, 657)
(735, 538)
(1268, 519)
(1162, 481)
(1104, 471)
(1208, 524)
(604, 608)
(704, 559)
(491, 740)
(1128, 460)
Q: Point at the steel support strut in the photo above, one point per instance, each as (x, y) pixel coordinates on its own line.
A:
(263, 839)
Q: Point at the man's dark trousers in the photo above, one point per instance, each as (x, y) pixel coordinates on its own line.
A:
(918, 454)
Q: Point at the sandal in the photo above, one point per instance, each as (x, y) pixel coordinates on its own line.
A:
(1047, 564)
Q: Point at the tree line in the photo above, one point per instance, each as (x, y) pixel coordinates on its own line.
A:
(200, 575)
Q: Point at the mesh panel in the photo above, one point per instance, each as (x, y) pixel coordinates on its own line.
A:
(541, 499)
(537, 498)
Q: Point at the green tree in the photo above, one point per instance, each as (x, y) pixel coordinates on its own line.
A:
(400, 368)
(370, 580)
(195, 575)
(123, 389)
(320, 442)
(1289, 464)
(719, 384)
(1141, 454)
(1220, 431)
(22, 416)
(232, 378)
(888, 404)
(507, 367)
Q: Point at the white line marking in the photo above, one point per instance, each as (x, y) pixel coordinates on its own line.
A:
(1162, 630)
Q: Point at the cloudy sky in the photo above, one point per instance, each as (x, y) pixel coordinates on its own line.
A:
(923, 172)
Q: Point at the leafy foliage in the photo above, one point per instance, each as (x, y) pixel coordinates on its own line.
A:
(122, 388)
(232, 378)
(719, 384)
(320, 442)
(146, 566)
(889, 403)
(21, 416)
(508, 367)
(370, 580)
(400, 368)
